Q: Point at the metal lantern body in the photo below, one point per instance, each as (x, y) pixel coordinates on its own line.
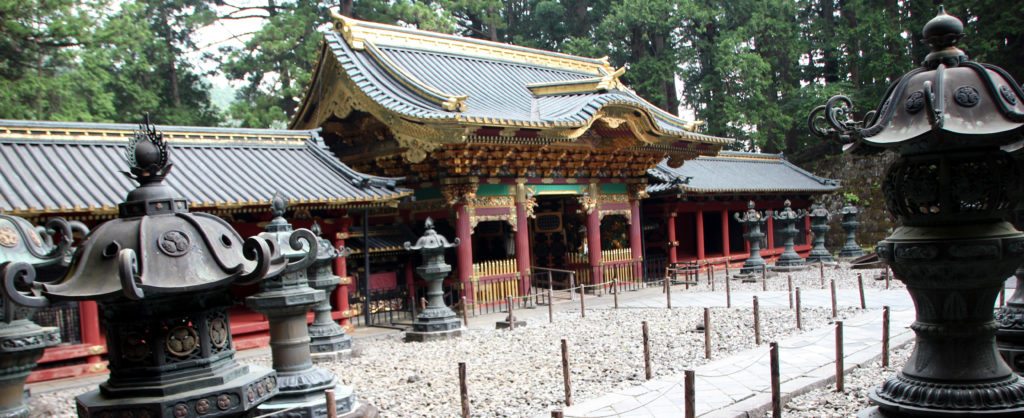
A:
(850, 223)
(819, 225)
(285, 298)
(22, 251)
(160, 276)
(789, 260)
(753, 220)
(437, 321)
(328, 340)
(951, 188)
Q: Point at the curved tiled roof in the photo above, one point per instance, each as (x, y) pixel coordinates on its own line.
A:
(737, 172)
(444, 78)
(69, 168)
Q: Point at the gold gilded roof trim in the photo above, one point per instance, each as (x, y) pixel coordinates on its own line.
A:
(450, 102)
(358, 33)
(123, 135)
(609, 81)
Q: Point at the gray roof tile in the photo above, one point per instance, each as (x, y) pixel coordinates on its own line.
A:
(76, 168)
(737, 172)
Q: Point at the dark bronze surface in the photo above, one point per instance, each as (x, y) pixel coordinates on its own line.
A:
(437, 321)
(753, 220)
(819, 225)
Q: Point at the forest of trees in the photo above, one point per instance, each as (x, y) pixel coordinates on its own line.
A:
(751, 69)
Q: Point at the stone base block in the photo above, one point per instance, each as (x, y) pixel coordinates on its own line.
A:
(417, 336)
(233, 398)
(311, 406)
(506, 324)
(437, 324)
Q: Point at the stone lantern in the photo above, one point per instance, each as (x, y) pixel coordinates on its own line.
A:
(819, 225)
(284, 298)
(160, 276)
(850, 223)
(951, 188)
(22, 251)
(437, 321)
(328, 340)
(753, 220)
(789, 260)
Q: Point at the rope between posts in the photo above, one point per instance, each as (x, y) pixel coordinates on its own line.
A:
(751, 364)
(869, 321)
(822, 337)
(617, 414)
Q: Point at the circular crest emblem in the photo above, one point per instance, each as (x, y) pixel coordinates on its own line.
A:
(967, 96)
(915, 102)
(134, 347)
(218, 333)
(182, 341)
(1008, 95)
(174, 243)
(8, 237)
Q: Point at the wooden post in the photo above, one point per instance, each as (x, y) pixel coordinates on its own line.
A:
(839, 356)
(465, 316)
(886, 277)
(332, 404)
(647, 352)
(423, 304)
(757, 322)
(764, 277)
(821, 273)
(707, 333)
(885, 336)
(798, 325)
(557, 414)
(860, 288)
(615, 289)
(551, 308)
(776, 392)
(463, 390)
(690, 404)
(832, 283)
(1002, 295)
(565, 372)
(728, 294)
(511, 315)
(668, 294)
(789, 285)
(583, 305)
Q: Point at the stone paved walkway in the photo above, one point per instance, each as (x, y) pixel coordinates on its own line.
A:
(739, 384)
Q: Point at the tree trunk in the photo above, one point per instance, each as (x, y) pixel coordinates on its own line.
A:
(345, 8)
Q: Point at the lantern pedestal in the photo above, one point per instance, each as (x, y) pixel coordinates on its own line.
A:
(328, 340)
(1010, 336)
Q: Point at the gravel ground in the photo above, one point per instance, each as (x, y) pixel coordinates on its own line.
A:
(518, 373)
(827, 403)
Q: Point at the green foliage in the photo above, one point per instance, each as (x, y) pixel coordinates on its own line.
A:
(852, 198)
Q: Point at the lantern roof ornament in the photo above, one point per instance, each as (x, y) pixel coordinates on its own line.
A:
(431, 240)
(962, 103)
(156, 246)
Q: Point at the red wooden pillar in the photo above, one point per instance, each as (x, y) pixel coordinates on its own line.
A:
(464, 252)
(523, 247)
(635, 240)
(725, 234)
(89, 320)
(410, 279)
(700, 233)
(594, 245)
(771, 231)
(673, 256)
(341, 270)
